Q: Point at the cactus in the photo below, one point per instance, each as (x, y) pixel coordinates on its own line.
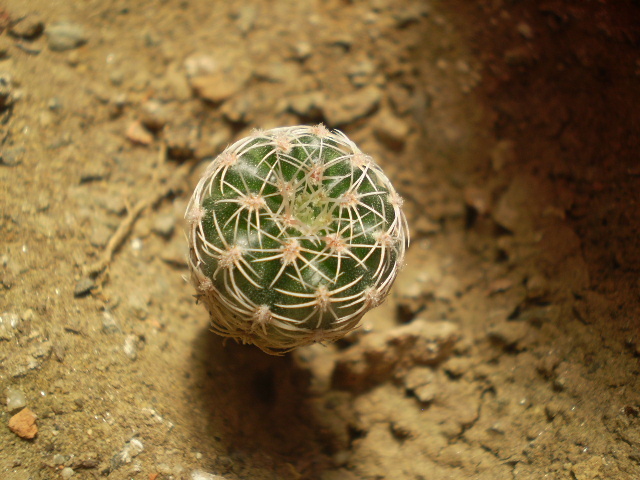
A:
(294, 235)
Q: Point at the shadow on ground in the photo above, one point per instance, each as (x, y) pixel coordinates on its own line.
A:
(257, 407)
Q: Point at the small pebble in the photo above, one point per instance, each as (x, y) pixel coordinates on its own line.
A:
(154, 115)
(348, 108)
(15, 399)
(182, 141)
(130, 347)
(302, 50)
(12, 156)
(67, 472)
(136, 133)
(54, 104)
(508, 333)
(217, 87)
(391, 130)
(83, 287)
(109, 324)
(203, 475)
(9, 322)
(66, 36)
(164, 225)
(23, 424)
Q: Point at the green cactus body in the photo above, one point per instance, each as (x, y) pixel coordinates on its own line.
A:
(294, 235)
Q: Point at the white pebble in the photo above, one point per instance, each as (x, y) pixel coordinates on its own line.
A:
(15, 399)
(202, 475)
(67, 472)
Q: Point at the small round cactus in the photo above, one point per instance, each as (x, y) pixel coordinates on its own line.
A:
(294, 235)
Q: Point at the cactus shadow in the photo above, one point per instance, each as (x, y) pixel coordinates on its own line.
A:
(255, 411)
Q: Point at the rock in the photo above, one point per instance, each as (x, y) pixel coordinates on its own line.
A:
(181, 140)
(136, 133)
(200, 64)
(508, 333)
(515, 209)
(154, 115)
(308, 104)
(590, 469)
(109, 323)
(29, 28)
(421, 381)
(9, 323)
(130, 347)
(217, 87)
(83, 287)
(346, 109)
(203, 475)
(23, 424)
(66, 473)
(100, 235)
(66, 36)
(301, 50)
(12, 156)
(478, 199)
(164, 225)
(132, 449)
(15, 399)
(390, 130)
(278, 72)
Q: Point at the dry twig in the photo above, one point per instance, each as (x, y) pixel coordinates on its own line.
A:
(170, 184)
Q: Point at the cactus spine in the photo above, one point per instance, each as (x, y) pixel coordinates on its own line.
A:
(294, 235)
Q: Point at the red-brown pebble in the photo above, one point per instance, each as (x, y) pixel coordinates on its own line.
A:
(23, 424)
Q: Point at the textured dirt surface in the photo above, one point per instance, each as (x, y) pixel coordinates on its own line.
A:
(509, 347)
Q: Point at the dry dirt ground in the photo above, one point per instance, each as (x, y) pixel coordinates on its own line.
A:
(509, 347)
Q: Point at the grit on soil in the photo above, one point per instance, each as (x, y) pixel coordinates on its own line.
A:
(509, 347)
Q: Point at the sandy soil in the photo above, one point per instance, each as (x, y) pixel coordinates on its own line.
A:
(509, 347)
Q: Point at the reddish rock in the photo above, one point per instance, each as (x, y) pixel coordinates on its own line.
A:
(136, 133)
(23, 424)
